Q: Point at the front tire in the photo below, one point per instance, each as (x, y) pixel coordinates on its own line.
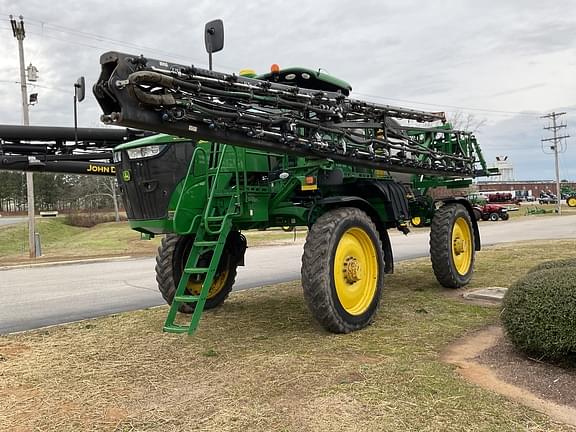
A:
(343, 270)
(571, 201)
(452, 248)
(172, 255)
(477, 214)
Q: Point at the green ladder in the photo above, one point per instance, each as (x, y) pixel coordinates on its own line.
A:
(212, 231)
(203, 243)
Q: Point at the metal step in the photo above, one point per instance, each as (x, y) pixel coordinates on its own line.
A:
(206, 243)
(215, 218)
(173, 328)
(186, 298)
(196, 270)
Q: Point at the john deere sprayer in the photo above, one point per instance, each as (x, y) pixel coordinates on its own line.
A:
(286, 148)
(289, 147)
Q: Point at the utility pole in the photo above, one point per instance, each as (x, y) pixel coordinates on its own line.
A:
(20, 34)
(557, 140)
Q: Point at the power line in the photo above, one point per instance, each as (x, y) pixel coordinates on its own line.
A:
(60, 89)
(463, 108)
(97, 37)
(100, 38)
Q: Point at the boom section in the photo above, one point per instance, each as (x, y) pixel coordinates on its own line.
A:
(61, 149)
(187, 101)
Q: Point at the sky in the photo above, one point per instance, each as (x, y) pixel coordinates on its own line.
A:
(499, 64)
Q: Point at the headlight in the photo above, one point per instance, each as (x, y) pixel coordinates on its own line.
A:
(117, 156)
(144, 152)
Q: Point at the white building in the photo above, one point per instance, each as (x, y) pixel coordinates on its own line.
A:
(506, 170)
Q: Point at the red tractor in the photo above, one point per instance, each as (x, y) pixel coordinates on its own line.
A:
(503, 198)
(492, 212)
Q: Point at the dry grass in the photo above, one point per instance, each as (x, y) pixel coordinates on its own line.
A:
(260, 363)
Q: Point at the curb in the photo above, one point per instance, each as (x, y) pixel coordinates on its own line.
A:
(77, 261)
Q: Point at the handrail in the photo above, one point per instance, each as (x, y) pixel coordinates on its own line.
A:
(185, 186)
(214, 187)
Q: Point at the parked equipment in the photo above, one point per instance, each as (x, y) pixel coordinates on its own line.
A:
(62, 149)
(298, 151)
(286, 148)
(491, 212)
(547, 198)
(503, 198)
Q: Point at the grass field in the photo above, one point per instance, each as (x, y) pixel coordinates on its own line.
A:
(61, 241)
(549, 208)
(260, 363)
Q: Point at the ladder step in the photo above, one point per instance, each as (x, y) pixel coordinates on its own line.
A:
(206, 243)
(196, 270)
(175, 328)
(215, 218)
(186, 298)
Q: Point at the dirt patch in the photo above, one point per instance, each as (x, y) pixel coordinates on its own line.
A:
(486, 359)
(548, 381)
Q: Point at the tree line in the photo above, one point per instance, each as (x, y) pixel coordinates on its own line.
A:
(61, 192)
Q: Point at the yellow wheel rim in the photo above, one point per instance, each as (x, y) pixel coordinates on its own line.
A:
(571, 202)
(462, 246)
(416, 221)
(355, 271)
(194, 286)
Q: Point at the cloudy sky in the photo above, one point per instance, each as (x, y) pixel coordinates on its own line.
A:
(502, 63)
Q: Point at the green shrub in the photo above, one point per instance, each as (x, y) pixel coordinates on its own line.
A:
(88, 220)
(539, 313)
(555, 264)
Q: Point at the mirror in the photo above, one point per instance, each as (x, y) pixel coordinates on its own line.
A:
(214, 36)
(80, 88)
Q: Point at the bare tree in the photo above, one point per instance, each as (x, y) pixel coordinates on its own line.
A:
(466, 121)
(107, 187)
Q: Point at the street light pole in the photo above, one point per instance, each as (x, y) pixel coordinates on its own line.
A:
(557, 140)
(20, 34)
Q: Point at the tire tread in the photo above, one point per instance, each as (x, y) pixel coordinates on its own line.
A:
(317, 276)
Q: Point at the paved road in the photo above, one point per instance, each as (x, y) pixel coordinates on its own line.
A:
(11, 220)
(40, 296)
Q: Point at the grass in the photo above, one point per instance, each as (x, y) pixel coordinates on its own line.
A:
(260, 363)
(61, 241)
(550, 210)
(64, 241)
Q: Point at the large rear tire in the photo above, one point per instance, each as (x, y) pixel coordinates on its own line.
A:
(343, 270)
(571, 201)
(172, 255)
(452, 248)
